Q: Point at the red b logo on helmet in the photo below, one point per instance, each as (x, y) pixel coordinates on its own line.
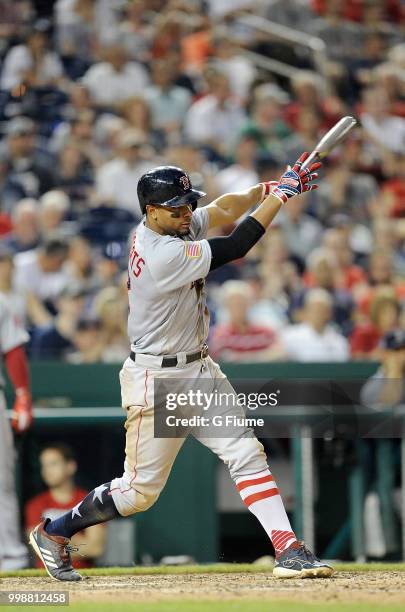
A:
(185, 182)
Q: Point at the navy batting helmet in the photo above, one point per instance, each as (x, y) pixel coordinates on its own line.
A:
(167, 186)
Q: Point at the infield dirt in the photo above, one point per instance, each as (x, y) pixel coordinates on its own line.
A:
(383, 587)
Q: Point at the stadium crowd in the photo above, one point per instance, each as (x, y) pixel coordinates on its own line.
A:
(95, 92)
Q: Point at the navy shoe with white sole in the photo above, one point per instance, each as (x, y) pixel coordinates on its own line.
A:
(297, 561)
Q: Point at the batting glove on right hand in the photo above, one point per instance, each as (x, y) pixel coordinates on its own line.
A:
(22, 411)
(296, 181)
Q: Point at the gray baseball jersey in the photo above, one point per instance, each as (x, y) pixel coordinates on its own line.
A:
(167, 299)
(12, 334)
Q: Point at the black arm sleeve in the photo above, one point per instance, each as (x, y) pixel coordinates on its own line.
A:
(227, 248)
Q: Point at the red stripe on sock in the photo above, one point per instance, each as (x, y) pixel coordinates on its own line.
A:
(250, 483)
(251, 499)
(280, 538)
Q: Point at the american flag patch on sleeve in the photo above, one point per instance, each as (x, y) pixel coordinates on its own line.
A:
(193, 249)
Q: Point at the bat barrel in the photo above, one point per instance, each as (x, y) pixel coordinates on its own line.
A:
(331, 139)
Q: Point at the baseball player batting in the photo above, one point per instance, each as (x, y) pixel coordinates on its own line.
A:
(13, 554)
(168, 326)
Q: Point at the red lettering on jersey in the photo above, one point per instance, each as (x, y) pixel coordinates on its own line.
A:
(136, 262)
(139, 265)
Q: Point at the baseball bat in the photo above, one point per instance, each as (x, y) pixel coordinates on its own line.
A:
(331, 140)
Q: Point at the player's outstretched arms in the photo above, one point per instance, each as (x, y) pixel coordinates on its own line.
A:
(292, 183)
(231, 206)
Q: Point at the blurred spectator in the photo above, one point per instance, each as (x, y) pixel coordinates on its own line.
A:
(74, 174)
(41, 270)
(15, 300)
(53, 340)
(82, 27)
(80, 131)
(266, 125)
(315, 339)
(240, 339)
(274, 254)
(385, 130)
(347, 274)
(25, 234)
(116, 78)
(384, 309)
(389, 235)
(112, 313)
(362, 69)
(386, 388)
(380, 268)
(79, 100)
(242, 173)
(168, 30)
(388, 77)
(107, 265)
(312, 92)
(137, 114)
(267, 308)
(58, 468)
(323, 272)
(33, 63)
(117, 180)
(135, 33)
(238, 68)
(168, 102)
(80, 265)
(29, 170)
(215, 119)
(306, 134)
(340, 36)
(54, 206)
(87, 342)
(23, 304)
(392, 198)
(302, 233)
(15, 17)
(345, 191)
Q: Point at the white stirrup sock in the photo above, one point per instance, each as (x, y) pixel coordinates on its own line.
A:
(260, 494)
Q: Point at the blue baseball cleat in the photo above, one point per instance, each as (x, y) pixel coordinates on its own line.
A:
(297, 561)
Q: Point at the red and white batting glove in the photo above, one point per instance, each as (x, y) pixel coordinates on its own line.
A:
(22, 410)
(295, 181)
(267, 189)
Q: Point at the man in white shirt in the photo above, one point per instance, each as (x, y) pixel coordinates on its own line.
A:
(116, 181)
(241, 174)
(382, 128)
(115, 79)
(41, 270)
(215, 119)
(315, 339)
(32, 63)
(168, 102)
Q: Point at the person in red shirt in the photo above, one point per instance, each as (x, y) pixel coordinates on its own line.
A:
(238, 339)
(58, 467)
(348, 274)
(383, 316)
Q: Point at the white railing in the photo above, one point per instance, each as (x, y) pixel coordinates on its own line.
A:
(313, 44)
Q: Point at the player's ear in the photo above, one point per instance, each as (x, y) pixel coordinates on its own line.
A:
(151, 210)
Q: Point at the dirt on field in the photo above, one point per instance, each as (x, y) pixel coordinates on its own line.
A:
(377, 587)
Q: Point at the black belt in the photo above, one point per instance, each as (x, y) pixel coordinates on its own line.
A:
(171, 362)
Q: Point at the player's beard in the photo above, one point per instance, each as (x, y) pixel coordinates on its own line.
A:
(182, 233)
